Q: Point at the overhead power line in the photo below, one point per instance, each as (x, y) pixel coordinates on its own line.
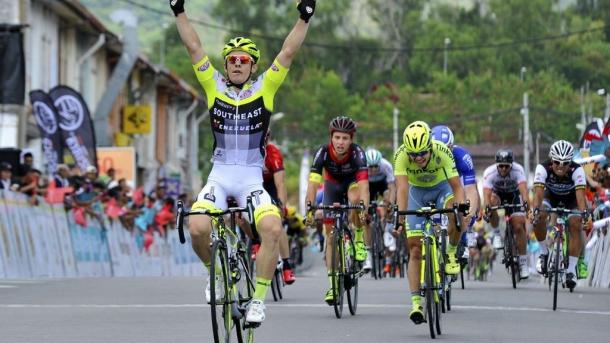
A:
(373, 49)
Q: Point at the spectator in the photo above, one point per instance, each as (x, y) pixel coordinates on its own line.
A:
(28, 163)
(108, 178)
(6, 177)
(30, 187)
(61, 177)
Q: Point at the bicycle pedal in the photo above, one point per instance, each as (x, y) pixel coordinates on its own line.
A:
(248, 325)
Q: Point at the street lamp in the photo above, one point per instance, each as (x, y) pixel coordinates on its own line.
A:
(523, 71)
(447, 42)
(602, 92)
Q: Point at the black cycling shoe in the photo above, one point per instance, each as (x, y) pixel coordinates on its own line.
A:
(570, 281)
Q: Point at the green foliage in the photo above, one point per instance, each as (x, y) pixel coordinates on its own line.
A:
(343, 69)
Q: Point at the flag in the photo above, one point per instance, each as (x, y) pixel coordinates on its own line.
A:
(76, 125)
(46, 117)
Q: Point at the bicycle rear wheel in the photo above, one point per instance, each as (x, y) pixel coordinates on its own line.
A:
(429, 290)
(222, 317)
(338, 258)
(245, 291)
(351, 279)
(557, 258)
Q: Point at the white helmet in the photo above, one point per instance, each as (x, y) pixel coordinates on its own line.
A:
(561, 151)
(373, 157)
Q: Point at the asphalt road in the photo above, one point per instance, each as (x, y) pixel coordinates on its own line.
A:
(170, 310)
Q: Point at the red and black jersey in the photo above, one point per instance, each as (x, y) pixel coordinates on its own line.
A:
(351, 168)
(274, 162)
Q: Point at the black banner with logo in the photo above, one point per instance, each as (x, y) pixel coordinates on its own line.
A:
(46, 116)
(75, 124)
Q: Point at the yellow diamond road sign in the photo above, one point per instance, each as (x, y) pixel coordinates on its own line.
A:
(136, 119)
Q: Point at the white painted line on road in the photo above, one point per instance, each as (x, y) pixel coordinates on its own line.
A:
(465, 307)
(7, 286)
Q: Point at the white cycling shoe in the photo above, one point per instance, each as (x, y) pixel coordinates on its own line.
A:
(256, 311)
(217, 288)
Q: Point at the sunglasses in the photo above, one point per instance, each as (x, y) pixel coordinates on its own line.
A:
(243, 59)
(374, 166)
(418, 154)
(561, 163)
(504, 166)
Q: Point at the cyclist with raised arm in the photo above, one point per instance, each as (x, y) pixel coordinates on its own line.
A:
(504, 183)
(559, 181)
(425, 172)
(240, 107)
(343, 164)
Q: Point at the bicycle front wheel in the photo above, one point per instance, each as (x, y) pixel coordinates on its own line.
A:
(338, 267)
(509, 255)
(429, 290)
(351, 278)
(220, 295)
(556, 272)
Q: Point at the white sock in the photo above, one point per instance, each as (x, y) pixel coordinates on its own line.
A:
(572, 261)
(544, 250)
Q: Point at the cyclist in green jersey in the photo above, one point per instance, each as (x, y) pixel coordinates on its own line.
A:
(425, 172)
(240, 108)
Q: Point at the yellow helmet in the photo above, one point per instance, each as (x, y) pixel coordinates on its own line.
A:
(416, 137)
(242, 44)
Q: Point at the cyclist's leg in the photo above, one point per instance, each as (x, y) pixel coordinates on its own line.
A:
(517, 222)
(361, 230)
(333, 192)
(445, 199)
(268, 223)
(417, 199)
(540, 230)
(574, 225)
(211, 197)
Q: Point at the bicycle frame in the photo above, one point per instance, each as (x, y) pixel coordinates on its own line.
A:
(232, 254)
(343, 273)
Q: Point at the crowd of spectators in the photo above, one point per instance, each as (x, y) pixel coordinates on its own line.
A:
(91, 196)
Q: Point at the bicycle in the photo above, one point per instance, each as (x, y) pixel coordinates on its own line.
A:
(431, 282)
(400, 259)
(277, 282)
(558, 261)
(231, 262)
(510, 254)
(346, 269)
(377, 245)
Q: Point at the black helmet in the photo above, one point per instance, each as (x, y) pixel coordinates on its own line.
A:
(5, 166)
(504, 156)
(342, 124)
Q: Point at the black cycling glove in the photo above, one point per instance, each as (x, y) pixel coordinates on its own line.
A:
(177, 6)
(306, 8)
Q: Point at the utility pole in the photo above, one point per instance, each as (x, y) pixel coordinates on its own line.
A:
(526, 136)
(447, 42)
(395, 113)
(526, 130)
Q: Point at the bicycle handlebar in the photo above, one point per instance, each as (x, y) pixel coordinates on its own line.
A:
(430, 211)
(335, 207)
(489, 209)
(181, 213)
(559, 211)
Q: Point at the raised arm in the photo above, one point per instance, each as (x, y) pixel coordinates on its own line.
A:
(189, 36)
(297, 35)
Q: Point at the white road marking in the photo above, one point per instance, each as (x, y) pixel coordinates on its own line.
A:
(7, 286)
(464, 307)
